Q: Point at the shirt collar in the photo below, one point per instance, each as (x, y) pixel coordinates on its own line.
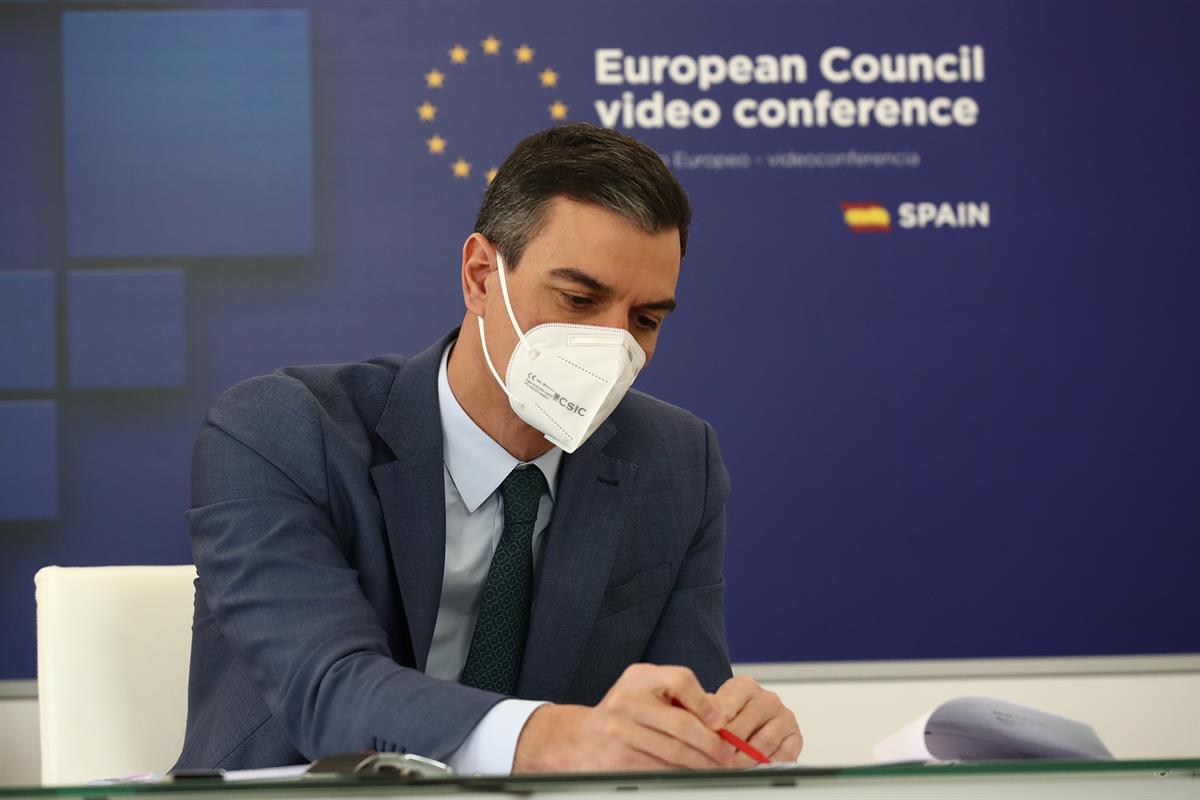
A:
(476, 463)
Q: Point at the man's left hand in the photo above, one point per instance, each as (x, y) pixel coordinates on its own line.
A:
(760, 719)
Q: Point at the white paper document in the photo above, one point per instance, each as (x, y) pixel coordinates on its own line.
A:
(983, 728)
(266, 773)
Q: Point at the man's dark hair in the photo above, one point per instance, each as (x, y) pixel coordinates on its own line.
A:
(585, 163)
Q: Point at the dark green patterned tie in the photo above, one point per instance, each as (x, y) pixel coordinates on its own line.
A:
(494, 661)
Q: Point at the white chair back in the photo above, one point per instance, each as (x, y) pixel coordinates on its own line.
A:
(113, 649)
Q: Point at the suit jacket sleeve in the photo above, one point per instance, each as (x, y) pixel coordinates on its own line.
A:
(273, 572)
(691, 630)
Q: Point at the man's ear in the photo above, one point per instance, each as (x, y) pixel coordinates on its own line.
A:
(478, 261)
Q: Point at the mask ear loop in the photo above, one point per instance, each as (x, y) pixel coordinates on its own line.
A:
(487, 357)
(533, 352)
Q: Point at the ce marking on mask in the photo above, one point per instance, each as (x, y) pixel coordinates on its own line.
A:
(546, 392)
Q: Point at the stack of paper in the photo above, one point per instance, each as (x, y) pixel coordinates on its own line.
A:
(982, 728)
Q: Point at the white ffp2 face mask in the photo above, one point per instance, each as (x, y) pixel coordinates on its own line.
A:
(563, 379)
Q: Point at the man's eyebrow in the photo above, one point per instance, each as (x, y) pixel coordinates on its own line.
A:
(667, 304)
(576, 275)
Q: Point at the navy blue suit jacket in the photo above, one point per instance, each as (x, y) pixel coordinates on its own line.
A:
(318, 529)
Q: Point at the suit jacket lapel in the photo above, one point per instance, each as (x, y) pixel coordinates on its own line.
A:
(412, 492)
(583, 535)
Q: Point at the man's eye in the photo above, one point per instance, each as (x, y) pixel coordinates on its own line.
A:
(649, 323)
(577, 300)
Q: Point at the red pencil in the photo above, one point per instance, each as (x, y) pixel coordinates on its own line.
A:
(734, 740)
(740, 745)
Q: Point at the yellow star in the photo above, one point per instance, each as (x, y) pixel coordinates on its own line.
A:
(458, 54)
(558, 110)
(436, 145)
(461, 168)
(491, 46)
(427, 111)
(524, 54)
(549, 78)
(435, 79)
(491, 174)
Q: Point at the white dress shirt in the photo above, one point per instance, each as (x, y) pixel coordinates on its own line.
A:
(475, 466)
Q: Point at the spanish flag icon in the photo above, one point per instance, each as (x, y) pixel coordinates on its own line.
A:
(866, 217)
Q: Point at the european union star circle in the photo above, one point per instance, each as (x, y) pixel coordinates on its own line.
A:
(440, 83)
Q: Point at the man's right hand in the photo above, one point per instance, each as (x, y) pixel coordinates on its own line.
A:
(635, 727)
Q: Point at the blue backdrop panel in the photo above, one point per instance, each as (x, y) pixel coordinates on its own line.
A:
(126, 328)
(28, 460)
(970, 435)
(187, 133)
(30, 137)
(27, 355)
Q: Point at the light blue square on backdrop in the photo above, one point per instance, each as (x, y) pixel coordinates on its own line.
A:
(126, 328)
(28, 460)
(27, 342)
(187, 133)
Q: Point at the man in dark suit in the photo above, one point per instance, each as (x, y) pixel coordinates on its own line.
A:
(401, 554)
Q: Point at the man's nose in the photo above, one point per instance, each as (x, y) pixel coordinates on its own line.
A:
(614, 317)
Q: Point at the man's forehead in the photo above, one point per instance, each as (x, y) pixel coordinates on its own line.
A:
(599, 249)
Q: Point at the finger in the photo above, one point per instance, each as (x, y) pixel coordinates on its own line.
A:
(682, 726)
(741, 760)
(761, 708)
(680, 684)
(673, 751)
(770, 736)
(789, 749)
(735, 693)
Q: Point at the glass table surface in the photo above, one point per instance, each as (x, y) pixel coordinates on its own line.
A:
(1184, 775)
